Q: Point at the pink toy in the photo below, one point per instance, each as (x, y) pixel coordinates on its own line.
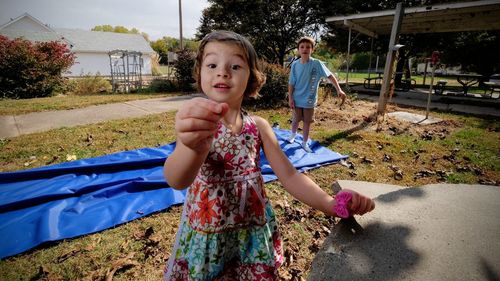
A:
(341, 209)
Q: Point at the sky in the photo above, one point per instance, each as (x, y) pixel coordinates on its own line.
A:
(157, 18)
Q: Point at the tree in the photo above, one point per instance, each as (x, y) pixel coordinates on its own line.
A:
(169, 44)
(120, 29)
(474, 51)
(161, 48)
(272, 26)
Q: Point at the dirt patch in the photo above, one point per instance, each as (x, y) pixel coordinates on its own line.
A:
(354, 113)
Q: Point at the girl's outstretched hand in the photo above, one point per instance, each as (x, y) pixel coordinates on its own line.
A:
(359, 204)
(196, 122)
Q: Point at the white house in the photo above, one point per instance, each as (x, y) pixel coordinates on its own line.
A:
(90, 47)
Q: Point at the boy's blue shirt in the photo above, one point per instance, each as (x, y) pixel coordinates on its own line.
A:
(305, 80)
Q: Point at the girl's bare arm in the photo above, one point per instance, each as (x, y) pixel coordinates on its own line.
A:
(299, 185)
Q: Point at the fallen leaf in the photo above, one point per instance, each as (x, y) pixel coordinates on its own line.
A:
(398, 175)
(387, 158)
(366, 160)
(347, 164)
(119, 264)
(70, 157)
(68, 255)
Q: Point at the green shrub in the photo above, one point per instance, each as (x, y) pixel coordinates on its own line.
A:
(274, 92)
(161, 86)
(360, 60)
(29, 70)
(184, 70)
(90, 84)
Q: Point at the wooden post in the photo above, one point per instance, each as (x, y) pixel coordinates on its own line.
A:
(348, 58)
(388, 70)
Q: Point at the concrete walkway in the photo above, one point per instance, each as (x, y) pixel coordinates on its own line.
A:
(434, 232)
(13, 126)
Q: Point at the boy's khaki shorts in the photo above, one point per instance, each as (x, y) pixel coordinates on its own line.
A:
(304, 114)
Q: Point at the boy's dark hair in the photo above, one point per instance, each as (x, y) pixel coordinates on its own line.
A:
(306, 39)
(256, 79)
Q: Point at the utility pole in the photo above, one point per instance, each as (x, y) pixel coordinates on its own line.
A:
(180, 23)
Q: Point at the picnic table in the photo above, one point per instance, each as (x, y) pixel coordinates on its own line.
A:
(373, 82)
(492, 86)
(468, 80)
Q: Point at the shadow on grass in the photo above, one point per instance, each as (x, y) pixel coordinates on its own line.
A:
(346, 133)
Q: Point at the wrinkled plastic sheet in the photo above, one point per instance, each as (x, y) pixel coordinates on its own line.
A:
(89, 195)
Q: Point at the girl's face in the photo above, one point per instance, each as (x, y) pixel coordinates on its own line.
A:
(305, 49)
(224, 73)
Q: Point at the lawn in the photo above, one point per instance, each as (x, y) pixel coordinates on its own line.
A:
(459, 149)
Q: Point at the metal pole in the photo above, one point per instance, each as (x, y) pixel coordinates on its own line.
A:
(348, 56)
(180, 23)
(370, 63)
(430, 91)
(425, 70)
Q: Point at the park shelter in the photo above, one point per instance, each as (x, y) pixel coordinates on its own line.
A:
(451, 17)
(455, 17)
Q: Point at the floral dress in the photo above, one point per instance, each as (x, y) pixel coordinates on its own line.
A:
(228, 229)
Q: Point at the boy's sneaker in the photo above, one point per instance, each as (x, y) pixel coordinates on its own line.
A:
(306, 147)
(291, 139)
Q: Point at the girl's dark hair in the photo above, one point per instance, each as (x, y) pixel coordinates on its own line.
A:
(256, 79)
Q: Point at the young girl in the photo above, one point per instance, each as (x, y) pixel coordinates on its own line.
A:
(228, 229)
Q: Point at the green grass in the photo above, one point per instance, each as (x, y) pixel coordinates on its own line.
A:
(474, 143)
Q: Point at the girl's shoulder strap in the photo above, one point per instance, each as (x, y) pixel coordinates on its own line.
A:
(247, 118)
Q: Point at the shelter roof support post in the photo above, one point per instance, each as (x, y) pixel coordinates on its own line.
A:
(370, 63)
(348, 58)
(391, 54)
(360, 30)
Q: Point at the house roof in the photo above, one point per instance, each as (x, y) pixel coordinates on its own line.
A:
(79, 40)
(35, 36)
(454, 17)
(13, 22)
(99, 41)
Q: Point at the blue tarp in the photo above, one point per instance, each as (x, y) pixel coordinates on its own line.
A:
(89, 195)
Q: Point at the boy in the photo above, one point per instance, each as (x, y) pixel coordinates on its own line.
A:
(303, 85)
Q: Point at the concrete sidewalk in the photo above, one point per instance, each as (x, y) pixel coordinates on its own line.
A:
(434, 232)
(13, 126)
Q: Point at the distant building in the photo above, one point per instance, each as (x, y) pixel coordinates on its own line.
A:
(90, 47)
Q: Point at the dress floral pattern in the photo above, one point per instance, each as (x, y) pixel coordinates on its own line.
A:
(228, 229)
